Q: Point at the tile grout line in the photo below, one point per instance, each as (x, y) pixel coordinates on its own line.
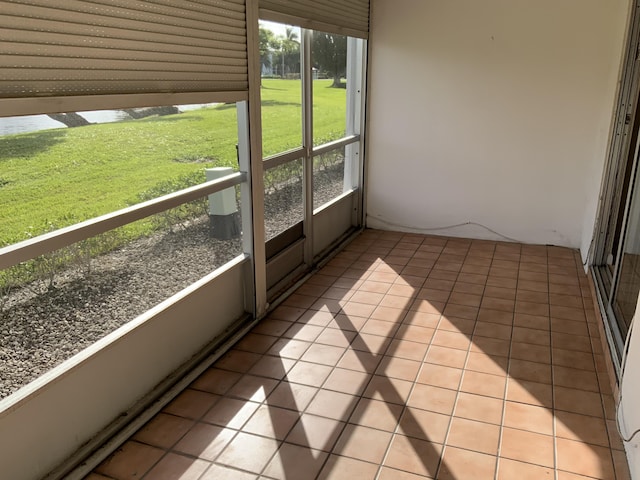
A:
(553, 382)
(453, 410)
(357, 398)
(338, 436)
(405, 406)
(508, 379)
(592, 341)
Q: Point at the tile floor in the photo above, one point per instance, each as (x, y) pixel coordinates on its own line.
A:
(406, 357)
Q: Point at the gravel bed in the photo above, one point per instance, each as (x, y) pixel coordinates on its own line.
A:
(40, 328)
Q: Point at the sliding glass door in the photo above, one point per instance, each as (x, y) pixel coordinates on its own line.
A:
(311, 97)
(616, 257)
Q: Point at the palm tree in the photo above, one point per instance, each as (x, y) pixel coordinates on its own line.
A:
(290, 51)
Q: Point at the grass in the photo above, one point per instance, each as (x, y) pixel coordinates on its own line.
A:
(55, 178)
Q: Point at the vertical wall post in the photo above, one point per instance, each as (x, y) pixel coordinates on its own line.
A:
(307, 143)
(254, 156)
(354, 112)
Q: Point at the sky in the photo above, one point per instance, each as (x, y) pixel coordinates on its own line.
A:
(278, 28)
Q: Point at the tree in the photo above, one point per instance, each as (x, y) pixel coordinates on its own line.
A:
(279, 54)
(70, 119)
(137, 113)
(290, 52)
(73, 119)
(268, 43)
(330, 55)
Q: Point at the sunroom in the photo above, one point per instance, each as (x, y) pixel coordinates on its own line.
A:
(319, 239)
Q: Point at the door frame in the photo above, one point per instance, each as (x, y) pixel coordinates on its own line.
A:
(619, 177)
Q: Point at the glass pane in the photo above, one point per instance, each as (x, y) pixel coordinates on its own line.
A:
(329, 60)
(328, 176)
(104, 161)
(625, 297)
(283, 205)
(281, 87)
(58, 304)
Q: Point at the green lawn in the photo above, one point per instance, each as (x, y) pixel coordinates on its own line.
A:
(58, 177)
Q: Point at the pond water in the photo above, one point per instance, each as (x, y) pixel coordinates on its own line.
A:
(34, 123)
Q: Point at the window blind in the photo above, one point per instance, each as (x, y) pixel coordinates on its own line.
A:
(333, 16)
(102, 47)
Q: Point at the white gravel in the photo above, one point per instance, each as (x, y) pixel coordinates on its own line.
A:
(40, 328)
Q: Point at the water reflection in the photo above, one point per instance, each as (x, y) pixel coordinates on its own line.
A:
(34, 123)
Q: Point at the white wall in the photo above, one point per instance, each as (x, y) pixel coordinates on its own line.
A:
(48, 420)
(629, 414)
(491, 111)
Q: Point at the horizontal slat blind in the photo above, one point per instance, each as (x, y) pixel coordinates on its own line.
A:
(103, 47)
(349, 17)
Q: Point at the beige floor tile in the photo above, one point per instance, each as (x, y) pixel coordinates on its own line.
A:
(455, 324)
(387, 473)
(220, 472)
(163, 431)
(272, 422)
(288, 348)
(490, 346)
(582, 428)
(231, 412)
(408, 349)
(131, 461)
(292, 396)
(235, 454)
(510, 469)
(478, 407)
(308, 374)
(578, 401)
(347, 381)
(294, 461)
(363, 443)
(440, 376)
(191, 404)
(458, 463)
(252, 387)
(376, 414)
(401, 368)
(527, 447)
(494, 335)
(205, 441)
(455, 340)
(256, 343)
(483, 363)
(483, 384)
(531, 352)
(178, 467)
(449, 357)
(335, 405)
(272, 367)
(216, 381)
(390, 390)
(532, 393)
(584, 459)
(621, 465)
(529, 371)
(424, 425)
(527, 417)
(323, 354)
(335, 337)
(345, 468)
(315, 432)
(575, 378)
(435, 399)
(472, 435)
(413, 455)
